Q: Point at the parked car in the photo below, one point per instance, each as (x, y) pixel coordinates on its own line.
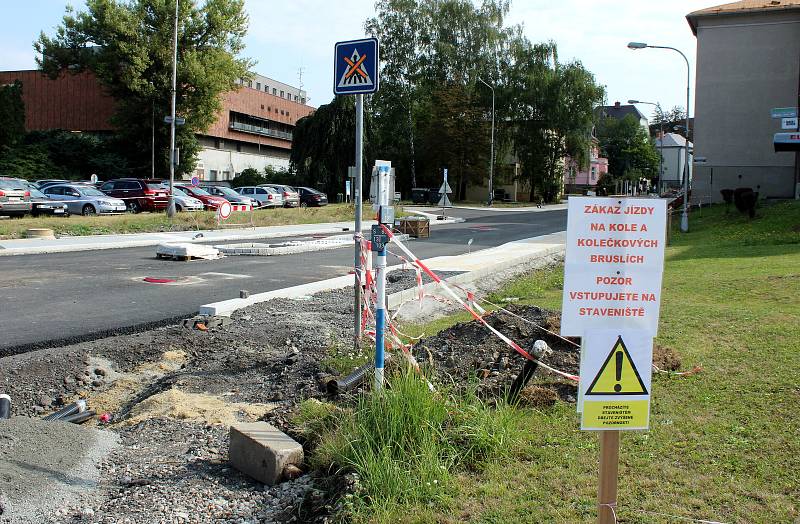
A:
(41, 204)
(229, 194)
(15, 197)
(85, 200)
(266, 196)
(50, 181)
(291, 198)
(138, 194)
(312, 197)
(186, 202)
(209, 201)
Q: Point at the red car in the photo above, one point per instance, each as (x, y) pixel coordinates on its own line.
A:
(209, 200)
(139, 194)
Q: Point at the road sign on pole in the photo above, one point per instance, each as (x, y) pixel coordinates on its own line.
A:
(355, 72)
(784, 112)
(355, 67)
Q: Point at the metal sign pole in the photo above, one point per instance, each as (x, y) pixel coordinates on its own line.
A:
(358, 200)
(172, 159)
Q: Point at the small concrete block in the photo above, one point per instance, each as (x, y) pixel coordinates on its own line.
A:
(261, 451)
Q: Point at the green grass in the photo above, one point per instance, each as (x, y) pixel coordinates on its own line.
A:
(341, 359)
(723, 445)
(407, 444)
(159, 222)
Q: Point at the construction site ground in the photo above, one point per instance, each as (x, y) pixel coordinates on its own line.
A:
(172, 393)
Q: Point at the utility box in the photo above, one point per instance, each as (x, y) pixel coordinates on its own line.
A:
(383, 179)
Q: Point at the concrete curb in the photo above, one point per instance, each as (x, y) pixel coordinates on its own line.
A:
(433, 219)
(396, 299)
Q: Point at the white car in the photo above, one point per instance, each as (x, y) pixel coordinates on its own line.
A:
(184, 202)
(266, 196)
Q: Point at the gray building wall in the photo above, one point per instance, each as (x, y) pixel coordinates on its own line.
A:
(746, 65)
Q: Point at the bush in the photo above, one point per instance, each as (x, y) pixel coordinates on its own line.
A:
(406, 443)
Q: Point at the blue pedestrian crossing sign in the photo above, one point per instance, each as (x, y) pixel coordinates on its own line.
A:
(355, 67)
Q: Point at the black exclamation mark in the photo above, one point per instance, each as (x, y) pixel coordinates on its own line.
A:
(618, 387)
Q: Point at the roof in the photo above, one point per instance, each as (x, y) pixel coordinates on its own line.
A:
(741, 8)
(673, 140)
(619, 111)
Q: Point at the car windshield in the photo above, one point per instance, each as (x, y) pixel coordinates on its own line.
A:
(179, 192)
(197, 191)
(228, 191)
(90, 191)
(12, 184)
(35, 193)
(157, 187)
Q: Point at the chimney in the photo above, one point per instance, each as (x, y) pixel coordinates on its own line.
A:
(616, 104)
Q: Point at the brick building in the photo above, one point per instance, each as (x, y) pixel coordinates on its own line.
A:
(254, 128)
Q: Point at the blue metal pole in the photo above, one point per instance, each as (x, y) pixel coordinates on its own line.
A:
(380, 317)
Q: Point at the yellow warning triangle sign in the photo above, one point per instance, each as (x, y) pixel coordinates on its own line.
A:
(618, 374)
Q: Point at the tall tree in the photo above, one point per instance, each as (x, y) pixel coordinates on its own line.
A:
(323, 145)
(128, 45)
(630, 151)
(12, 115)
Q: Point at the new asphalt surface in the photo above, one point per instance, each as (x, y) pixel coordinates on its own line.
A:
(53, 299)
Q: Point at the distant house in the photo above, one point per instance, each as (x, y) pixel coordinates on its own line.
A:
(673, 153)
(747, 64)
(578, 179)
(619, 111)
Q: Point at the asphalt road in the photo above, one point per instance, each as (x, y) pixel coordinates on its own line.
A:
(47, 299)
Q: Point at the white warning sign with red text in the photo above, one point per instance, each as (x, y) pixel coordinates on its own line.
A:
(614, 264)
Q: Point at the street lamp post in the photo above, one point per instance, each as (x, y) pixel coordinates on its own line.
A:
(172, 159)
(685, 213)
(491, 160)
(660, 144)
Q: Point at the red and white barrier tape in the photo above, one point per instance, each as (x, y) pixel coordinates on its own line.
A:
(471, 311)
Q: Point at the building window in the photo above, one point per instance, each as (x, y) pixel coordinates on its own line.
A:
(262, 106)
(238, 147)
(281, 111)
(281, 94)
(212, 175)
(287, 113)
(249, 83)
(302, 100)
(258, 86)
(274, 91)
(216, 144)
(266, 88)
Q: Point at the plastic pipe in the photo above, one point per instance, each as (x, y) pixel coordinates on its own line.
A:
(70, 409)
(78, 418)
(5, 406)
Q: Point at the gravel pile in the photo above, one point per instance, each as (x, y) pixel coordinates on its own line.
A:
(47, 465)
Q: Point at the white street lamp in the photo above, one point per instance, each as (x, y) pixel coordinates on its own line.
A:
(491, 160)
(685, 213)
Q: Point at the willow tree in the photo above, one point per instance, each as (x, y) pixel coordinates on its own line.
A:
(127, 44)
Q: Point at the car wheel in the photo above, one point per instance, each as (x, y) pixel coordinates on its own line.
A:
(178, 208)
(134, 206)
(303, 204)
(88, 210)
(17, 215)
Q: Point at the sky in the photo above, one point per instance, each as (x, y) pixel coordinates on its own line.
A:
(288, 36)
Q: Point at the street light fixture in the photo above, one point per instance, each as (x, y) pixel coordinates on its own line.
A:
(660, 145)
(491, 160)
(685, 213)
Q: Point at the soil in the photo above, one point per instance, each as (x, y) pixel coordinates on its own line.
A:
(469, 354)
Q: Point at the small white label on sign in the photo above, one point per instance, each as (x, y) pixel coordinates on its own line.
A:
(613, 265)
(788, 123)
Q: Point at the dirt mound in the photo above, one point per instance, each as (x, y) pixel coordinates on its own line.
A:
(176, 404)
(666, 359)
(470, 353)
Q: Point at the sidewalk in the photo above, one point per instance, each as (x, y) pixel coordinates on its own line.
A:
(36, 246)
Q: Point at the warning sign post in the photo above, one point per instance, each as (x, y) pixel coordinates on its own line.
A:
(612, 294)
(615, 379)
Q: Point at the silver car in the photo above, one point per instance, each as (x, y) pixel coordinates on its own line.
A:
(15, 198)
(184, 202)
(291, 198)
(229, 194)
(266, 196)
(85, 200)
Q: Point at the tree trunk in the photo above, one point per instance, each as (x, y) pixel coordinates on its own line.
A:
(411, 135)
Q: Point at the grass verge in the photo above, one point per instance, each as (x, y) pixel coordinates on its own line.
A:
(724, 445)
(159, 222)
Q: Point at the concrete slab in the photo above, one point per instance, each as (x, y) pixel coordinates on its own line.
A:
(262, 451)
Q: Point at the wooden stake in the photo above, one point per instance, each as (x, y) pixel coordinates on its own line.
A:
(609, 468)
